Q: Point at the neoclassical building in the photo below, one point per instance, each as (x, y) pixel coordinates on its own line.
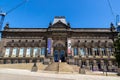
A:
(89, 47)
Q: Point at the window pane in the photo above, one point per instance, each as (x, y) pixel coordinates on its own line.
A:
(35, 52)
(21, 52)
(28, 52)
(14, 52)
(7, 52)
(82, 51)
(43, 51)
(75, 51)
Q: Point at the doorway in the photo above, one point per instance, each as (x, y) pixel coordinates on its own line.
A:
(59, 55)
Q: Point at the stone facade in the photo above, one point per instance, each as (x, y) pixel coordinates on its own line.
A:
(91, 48)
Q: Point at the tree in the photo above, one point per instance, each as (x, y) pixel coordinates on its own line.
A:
(117, 51)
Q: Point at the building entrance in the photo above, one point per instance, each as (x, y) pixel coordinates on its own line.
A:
(59, 55)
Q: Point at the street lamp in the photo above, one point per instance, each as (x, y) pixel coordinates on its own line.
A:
(35, 68)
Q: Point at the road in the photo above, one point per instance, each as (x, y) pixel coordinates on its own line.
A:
(16, 74)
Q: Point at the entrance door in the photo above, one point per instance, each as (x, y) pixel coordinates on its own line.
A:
(56, 56)
(62, 56)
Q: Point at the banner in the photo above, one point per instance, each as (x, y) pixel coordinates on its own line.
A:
(14, 52)
(35, 52)
(7, 52)
(21, 52)
(69, 47)
(49, 45)
(28, 52)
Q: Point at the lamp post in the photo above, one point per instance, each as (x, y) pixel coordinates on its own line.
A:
(35, 68)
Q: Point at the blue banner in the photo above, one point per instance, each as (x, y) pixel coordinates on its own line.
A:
(49, 46)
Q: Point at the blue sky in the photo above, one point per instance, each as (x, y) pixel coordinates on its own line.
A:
(80, 13)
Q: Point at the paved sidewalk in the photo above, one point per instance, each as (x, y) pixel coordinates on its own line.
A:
(16, 74)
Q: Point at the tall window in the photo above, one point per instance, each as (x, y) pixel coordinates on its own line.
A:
(28, 52)
(7, 52)
(75, 51)
(43, 51)
(89, 51)
(14, 52)
(35, 52)
(21, 52)
(110, 51)
(82, 51)
(103, 51)
(96, 51)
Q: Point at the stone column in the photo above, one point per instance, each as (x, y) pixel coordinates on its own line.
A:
(95, 66)
(25, 49)
(100, 52)
(93, 53)
(78, 51)
(39, 51)
(87, 64)
(102, 64)
(72, 51)
(11, 50)
(110, 65)
(86, 52)
(80, 63)
(106, 50)
(18, 51)
(3, 52)
(52, 51)
(31, 53)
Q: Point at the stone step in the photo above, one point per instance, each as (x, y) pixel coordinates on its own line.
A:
(52, 67)
(64, 67)
(27, 66)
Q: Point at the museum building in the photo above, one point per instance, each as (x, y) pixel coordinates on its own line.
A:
(89, 47)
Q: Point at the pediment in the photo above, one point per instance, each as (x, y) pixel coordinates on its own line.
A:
(59, 24)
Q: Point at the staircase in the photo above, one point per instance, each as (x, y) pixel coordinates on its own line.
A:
(52, 67)
(62, 67)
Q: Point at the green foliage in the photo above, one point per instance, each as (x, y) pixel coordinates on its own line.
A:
(117, 50)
